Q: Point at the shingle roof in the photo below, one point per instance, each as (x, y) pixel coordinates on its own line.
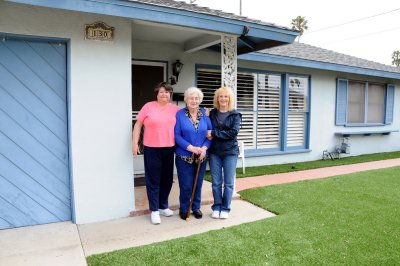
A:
(309, 52)
(205, 10)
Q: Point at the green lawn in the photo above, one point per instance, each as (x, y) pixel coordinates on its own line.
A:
(345, 220)
(291, 167)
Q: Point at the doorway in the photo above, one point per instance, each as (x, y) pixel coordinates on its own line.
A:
(145, 76)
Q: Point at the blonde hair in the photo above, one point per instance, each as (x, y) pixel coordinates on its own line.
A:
(193, 90)
(228, 91)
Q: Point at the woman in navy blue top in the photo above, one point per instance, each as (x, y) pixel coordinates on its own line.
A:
(191, 129)
(224, 151)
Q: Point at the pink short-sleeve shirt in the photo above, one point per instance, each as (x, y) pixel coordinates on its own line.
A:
(159, 123)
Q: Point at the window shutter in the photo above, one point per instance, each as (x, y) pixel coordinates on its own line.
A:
(268, 115)
(389, 104)
(296, 129)
(245, 105)
(298, 107)
(341, 102)
(248, 129)
(208, 81)
(245, 91)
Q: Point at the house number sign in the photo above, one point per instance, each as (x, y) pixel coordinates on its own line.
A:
(99, 31)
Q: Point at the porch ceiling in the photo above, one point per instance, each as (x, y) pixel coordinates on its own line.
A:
(195, 39)
(162, 33)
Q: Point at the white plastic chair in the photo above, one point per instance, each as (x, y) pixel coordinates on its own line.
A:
(241, 155)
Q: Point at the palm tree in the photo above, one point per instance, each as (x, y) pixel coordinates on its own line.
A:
(396, 58)
(300, 24)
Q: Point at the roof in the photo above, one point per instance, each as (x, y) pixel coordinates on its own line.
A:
(205, 10)
(308, 56)
(309, 52)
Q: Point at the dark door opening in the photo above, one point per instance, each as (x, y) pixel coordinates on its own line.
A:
(145, 76)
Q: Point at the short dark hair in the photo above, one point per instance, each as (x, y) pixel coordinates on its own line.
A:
(164, 85)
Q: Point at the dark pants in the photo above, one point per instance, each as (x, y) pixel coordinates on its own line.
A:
(158, 169)
(186, 176)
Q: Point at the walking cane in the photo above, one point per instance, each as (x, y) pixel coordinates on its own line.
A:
(193, 190)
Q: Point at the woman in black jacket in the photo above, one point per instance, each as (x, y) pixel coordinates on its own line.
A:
(224, 150)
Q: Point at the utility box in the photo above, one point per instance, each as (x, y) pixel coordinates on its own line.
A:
(345, 146)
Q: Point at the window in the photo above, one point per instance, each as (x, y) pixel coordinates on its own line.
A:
(376, 103)
(269, 113)
(364, 103)
(356, 102)
(298, 111)
(261, 100)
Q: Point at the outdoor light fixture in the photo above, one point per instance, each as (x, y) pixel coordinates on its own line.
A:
(176, 70)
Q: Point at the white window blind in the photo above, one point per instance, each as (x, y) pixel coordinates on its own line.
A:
(245, 91)
(268, 106)
(297, 112)
(259, 100)
(208, 81)
(245, 104)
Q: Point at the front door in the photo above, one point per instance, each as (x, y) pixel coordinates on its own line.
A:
(145, 76)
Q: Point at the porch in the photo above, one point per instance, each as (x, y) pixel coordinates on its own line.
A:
(142, 204)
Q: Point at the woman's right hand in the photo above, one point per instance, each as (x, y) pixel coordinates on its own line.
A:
(194, 149)
(135, 149)
(209, 136)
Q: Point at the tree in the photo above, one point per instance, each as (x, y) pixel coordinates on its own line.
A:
(396, 58)
(300, 24)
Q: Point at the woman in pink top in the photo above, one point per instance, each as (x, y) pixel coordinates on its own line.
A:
(158, 119)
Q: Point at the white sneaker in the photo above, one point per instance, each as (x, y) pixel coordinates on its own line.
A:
(166, 212)
(224, 215)
(155, 217)
(215, 215)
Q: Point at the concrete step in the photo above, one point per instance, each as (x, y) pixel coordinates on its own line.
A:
(142, 204)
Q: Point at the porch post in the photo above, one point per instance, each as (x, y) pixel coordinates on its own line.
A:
(229, 62)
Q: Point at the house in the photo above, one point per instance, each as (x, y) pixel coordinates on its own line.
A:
(73, 74)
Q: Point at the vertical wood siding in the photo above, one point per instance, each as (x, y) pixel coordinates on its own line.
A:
(34, 172)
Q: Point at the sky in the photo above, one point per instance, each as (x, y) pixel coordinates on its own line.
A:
(369, 29)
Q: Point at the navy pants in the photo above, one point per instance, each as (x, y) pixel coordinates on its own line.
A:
(158, 170)
(186, 176)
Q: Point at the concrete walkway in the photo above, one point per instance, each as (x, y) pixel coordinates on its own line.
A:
(68, 244)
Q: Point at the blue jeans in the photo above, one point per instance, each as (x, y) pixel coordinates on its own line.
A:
(186, 176)
(223, 170)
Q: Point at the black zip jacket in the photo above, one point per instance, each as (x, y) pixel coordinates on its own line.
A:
(224, 140)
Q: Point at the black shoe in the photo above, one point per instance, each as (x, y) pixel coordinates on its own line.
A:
(183, 215)
(197, 214)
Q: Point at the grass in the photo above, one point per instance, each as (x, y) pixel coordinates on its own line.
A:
(291, 167)
(344, 220)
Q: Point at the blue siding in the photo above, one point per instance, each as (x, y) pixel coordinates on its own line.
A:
(389, 104)
(341, 102)
(34, 169)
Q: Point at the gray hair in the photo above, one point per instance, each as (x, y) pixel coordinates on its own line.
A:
(193, 90)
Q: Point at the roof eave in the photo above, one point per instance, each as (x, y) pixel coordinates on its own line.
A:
(167, 15)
